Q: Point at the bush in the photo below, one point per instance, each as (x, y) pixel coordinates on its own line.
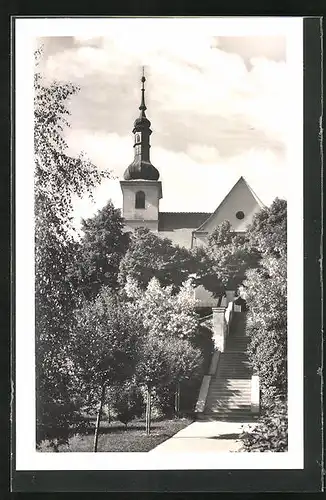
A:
(128, 402)
(163, 402)
(270, 434)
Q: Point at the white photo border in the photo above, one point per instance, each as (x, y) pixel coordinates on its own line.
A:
(27, 458)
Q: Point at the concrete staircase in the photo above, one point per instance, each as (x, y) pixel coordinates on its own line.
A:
(229, 392)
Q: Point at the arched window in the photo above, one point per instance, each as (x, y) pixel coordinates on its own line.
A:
(140, 199)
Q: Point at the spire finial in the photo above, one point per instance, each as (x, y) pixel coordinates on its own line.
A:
(142, 106)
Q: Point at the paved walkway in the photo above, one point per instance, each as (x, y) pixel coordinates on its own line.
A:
(205, 436)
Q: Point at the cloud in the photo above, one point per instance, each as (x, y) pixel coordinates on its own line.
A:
(217, 107)
(248, 47)
(190, 86)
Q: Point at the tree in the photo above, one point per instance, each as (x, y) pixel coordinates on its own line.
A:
(167, 354)
(164, 361)
(151, 256)
(105, 340)
(127, 401)
(101, 249)
(230, 255)
(162, 312)
(57, 178)
(268, 231)
(265, 292)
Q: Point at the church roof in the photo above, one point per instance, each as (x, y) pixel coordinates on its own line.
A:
(141, 169)
(169, 221)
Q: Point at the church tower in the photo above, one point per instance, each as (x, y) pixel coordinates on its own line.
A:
(140, 186)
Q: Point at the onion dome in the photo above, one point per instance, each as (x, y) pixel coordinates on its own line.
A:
(144, 170)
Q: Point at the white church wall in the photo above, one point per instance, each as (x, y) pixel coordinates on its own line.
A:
(240, 199)
(152, 190)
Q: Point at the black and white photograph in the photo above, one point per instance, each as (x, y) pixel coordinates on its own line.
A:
(159, 243)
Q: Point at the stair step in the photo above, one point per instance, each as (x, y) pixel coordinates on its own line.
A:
(241, 394)
(232, 406)
(229, 387)
(231, 380)
(227, 408)
(224, 416)
(230, 390)
(226, 397)
(228, 404)
(234, 370)
(236, 373)
(232, 413)
(230, 394)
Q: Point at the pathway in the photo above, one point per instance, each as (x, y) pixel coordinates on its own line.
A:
(206, 436)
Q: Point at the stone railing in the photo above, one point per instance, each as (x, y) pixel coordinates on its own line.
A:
(222, 318)
(201, 402)
(204, 388)
(255, 395)
(229, 315)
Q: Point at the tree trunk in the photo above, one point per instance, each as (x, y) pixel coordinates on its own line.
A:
(98, 419)
(148, 411)
(177, 400)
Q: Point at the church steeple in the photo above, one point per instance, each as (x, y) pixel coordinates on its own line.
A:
(141, 167)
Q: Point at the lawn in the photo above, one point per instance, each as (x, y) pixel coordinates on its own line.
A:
(116, 437)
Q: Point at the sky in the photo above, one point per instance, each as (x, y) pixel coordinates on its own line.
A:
(216, 104)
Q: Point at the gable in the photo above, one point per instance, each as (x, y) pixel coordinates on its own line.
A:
(179, 226)
(241, 200)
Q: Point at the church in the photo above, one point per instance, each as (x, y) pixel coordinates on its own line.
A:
(142, 192)
(229, 388)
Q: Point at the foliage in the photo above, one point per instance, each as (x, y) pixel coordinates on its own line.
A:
(163, 313)
(100, 251)
(162, 363)
(127, 402)
(167, 353)
(265, 292)
(151, 256)
(57, 178)
(105, 342)
(268, 231)
(270, 434)
(230, 254)
(205, 273)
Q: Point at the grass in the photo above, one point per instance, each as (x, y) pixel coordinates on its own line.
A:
(116, 437)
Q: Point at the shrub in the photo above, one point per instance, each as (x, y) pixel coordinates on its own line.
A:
(270, 434)
(128, 402)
